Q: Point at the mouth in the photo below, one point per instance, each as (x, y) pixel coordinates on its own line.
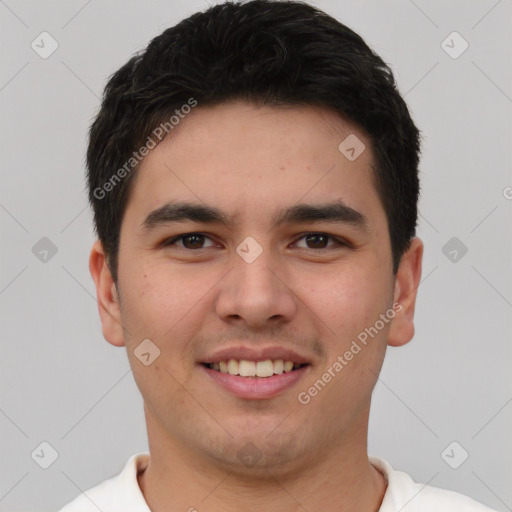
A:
(255, 380)
(254, 369)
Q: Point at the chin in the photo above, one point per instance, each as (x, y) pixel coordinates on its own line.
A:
(259, 455)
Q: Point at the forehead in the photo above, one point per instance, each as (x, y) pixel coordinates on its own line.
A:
(246, 159)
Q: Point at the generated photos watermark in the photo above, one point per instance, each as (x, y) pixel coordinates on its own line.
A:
(156, 136)
(305, 397)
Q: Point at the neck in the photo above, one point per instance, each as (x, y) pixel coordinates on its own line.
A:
(340, 478)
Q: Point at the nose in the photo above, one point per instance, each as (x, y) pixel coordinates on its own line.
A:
(257, 293)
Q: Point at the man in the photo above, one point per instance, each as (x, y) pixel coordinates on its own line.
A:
(254, 180)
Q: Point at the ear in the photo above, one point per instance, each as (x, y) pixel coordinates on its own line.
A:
(107, 296)
(407, 281)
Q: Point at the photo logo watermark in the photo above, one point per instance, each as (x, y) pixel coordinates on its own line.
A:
(156, 136)
(44, 454)
(454, 45)
(305, 397)
(351, 147)
(454, 455)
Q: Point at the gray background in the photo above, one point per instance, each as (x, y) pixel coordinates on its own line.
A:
(63, 384)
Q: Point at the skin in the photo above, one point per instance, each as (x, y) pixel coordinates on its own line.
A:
(250, 161)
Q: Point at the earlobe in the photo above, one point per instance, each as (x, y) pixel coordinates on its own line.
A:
(107, 296)
(407, 281)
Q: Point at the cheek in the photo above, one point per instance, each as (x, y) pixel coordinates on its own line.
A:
(159, 296)
(167, 305)
(162, 308)
(349, 301)
(345, 297)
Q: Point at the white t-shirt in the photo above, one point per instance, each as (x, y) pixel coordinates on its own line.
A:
(122, 493)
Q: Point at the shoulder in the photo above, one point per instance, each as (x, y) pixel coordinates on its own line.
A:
(119, 493)
(404, 493)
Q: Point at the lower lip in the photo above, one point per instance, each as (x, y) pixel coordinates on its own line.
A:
(256, 388)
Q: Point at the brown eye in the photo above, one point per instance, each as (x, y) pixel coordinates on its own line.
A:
(192, 241)
(319, 241)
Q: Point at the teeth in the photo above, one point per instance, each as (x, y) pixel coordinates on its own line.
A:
(278, 366)
(246, 368)
(233, 367)
(264, 368)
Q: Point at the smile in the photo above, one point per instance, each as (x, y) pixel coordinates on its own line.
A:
(261, 369)
(252, 380)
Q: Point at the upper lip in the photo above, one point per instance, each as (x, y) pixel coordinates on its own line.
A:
(255, 354)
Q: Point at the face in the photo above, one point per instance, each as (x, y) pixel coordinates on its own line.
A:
(250, 284)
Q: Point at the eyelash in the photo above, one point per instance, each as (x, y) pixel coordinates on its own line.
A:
(339, 242)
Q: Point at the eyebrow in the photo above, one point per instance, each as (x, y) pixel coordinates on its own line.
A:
(182, 211)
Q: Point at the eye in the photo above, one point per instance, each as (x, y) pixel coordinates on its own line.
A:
(319, 240)
(195, 241)
(190, 241)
